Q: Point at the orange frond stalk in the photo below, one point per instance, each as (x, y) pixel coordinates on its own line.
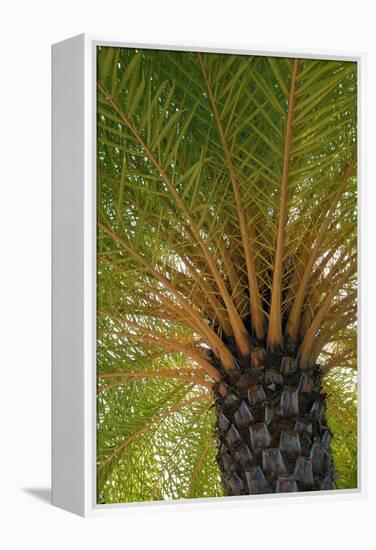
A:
(159, 339)
(207, 294)
(306, 347)
(275, 338)
(257, 313)
(239, 330)
(233, 277)
(216, 344)
(330, 329)
(292, 326)
(171, 310)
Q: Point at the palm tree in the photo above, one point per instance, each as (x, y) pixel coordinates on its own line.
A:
(226, 274)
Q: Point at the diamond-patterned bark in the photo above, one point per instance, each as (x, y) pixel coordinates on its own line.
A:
(271, 428)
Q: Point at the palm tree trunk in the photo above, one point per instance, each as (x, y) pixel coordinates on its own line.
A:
(272, 433)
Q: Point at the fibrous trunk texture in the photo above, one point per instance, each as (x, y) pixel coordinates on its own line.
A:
(272, 434)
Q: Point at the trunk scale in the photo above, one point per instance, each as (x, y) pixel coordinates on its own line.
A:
(272, 434)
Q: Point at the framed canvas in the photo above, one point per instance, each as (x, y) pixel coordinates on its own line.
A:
(207, 291)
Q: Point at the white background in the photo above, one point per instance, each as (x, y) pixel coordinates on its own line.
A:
(27, 30)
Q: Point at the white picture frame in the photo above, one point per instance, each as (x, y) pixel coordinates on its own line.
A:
(74, 275)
